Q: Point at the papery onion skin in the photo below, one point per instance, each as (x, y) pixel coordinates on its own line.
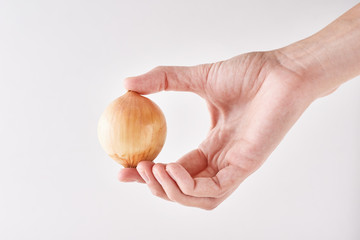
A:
(132, 129)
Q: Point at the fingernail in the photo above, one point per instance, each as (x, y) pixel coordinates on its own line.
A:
(144, 176)
(157, 176)
(169, 172)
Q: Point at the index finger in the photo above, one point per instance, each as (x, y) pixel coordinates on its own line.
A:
(170, 78)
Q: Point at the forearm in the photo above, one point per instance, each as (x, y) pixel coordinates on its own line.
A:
(328, 58)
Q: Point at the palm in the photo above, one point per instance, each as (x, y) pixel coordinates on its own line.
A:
(231, 87)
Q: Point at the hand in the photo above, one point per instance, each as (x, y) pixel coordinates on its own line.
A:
(253, 101)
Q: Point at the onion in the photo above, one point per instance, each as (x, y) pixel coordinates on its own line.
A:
(132, 129)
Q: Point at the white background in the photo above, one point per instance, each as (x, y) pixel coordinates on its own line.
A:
(62, 62)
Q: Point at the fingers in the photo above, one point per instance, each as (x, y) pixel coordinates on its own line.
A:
(174, 183)
(164, 182)
(143, 174)
(175, 194)
(145, 170)
(216, 187)
(169, 78)
(163, 186)
(180, 182)
(130, 175)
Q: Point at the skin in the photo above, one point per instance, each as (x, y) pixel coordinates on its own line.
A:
(253, 100)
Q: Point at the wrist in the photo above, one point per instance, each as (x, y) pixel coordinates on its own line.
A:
(311, 64)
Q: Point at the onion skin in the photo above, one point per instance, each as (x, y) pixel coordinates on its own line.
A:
(132, 129)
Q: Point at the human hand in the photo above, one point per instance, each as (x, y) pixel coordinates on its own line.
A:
(253, 101)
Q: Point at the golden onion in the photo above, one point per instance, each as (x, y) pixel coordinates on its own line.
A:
(132, 129)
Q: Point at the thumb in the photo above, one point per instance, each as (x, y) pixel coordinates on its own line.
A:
(170, 78)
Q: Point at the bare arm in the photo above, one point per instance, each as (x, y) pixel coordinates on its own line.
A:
(328, 58)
